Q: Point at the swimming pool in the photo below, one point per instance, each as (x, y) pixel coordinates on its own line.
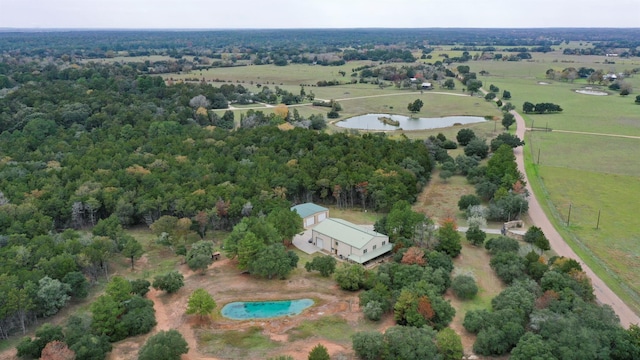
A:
(244, 310)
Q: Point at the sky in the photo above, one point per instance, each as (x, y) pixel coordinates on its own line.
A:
(280, 14)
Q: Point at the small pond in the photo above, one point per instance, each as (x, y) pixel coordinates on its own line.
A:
(374, 122)
(244, 310)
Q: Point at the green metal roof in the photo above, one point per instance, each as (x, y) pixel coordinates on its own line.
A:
(348, 233)
(308, 209)
(371, 254)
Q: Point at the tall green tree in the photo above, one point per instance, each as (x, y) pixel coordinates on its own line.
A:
(415, 106)
(286, 222)
(449, 239)
(133, 250)
(507, 120)
(200, 303)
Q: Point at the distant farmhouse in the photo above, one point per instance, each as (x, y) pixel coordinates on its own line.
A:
(349, 241)
(311, 214)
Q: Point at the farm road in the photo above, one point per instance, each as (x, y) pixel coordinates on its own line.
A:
(539, 218)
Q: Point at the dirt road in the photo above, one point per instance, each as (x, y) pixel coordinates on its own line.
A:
(539, 218)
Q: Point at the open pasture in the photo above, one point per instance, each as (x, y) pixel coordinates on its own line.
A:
(293, 74)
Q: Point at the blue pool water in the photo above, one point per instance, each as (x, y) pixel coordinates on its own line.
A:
(243, 310)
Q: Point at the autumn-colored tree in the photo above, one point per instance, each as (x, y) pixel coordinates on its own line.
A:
(414, 255)
(57, 350)
(518, 187)
(545, 300)
(281, 110)
(425, 309)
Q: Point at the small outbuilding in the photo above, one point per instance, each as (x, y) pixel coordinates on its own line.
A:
(427, 86)
(349, 241)
(311, 214)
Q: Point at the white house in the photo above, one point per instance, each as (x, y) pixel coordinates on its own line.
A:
(311, 214)
(426, 85)
(349, 241)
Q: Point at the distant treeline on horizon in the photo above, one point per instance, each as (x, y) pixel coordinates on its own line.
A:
(92, 42)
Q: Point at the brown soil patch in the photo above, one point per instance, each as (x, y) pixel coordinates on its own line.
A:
(439, 199)
(225, 282)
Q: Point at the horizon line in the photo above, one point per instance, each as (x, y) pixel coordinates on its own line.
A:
(53, 29)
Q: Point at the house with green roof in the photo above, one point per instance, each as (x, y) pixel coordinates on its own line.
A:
(311, 214)
(349, 241)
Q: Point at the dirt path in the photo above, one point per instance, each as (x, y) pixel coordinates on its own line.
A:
(601, 290)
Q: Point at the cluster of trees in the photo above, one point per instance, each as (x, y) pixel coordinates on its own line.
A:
(411, 287)
(91, 168)
(99, 146)
(408, 342)
(540, 108)
(41, 271)
(547, 311)
(498, 182)
(257, 242)
(121, 312)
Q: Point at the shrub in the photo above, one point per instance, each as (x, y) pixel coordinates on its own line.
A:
(464, 136)
(468, 200)
(464, 286)
(373, 310)
(475, 235)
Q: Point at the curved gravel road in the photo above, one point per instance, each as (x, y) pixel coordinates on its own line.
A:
(539, 218)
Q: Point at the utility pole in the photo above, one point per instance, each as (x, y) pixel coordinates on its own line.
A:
(598, 223)
(569, 216)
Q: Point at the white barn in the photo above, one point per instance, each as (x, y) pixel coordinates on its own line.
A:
(349, 241)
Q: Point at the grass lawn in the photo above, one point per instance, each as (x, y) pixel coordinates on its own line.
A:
(236, 344)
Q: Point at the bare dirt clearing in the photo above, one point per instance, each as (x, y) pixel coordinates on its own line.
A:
(330, 321)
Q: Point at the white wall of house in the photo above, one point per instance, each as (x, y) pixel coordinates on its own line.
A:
(338, 247)
(326, 242)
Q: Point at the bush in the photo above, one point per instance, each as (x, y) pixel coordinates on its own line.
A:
(326, 265)
(140, 287)
(165, 345)
(449, 344)
(169, 282)
(319, 352)
(502, 244)
(468, 200)
(477, 147)
(350, 277)
(449, 145)
(464, 286)
(373, 310)
(464, 136)
(475, 235)
(368, 345)
(509, 266)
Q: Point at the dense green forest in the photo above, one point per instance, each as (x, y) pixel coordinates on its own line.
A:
(81, 145)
